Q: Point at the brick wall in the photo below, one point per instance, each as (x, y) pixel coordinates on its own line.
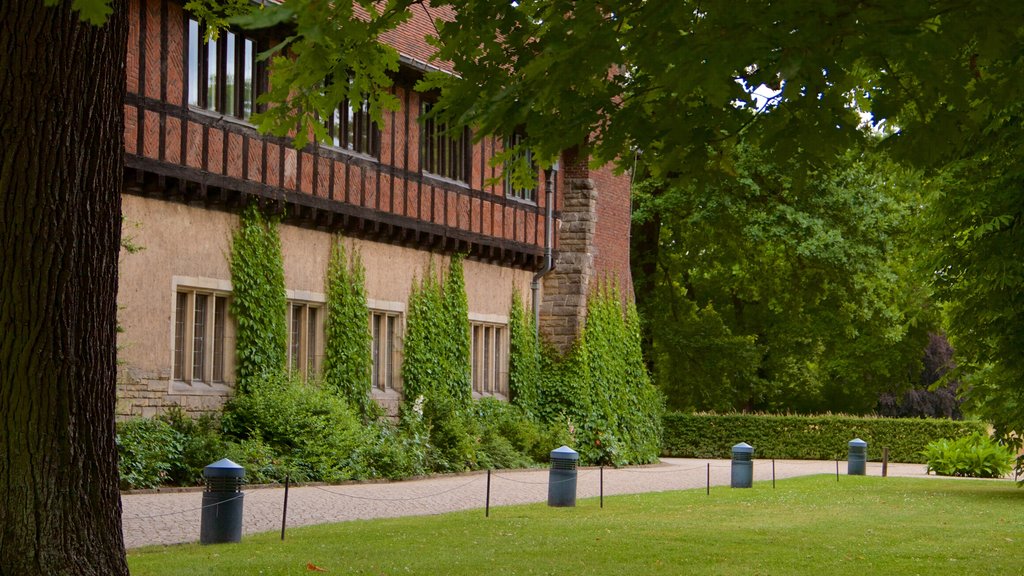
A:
(612, 234)
(592, 245)
(165, 136)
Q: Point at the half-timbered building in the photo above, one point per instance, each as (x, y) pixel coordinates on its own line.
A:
(400, 193)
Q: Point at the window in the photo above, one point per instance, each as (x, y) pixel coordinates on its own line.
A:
(447, 152)
(528, 194)
(384, 328)
(223, 74)
(201, 332)
(489, 360)
(304, 342)
(352, 128)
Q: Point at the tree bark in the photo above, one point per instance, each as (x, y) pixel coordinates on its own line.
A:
(645, 250)
(62, 86)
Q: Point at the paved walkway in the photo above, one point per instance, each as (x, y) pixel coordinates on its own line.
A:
(174, 517)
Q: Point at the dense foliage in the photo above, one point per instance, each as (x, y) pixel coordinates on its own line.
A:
(437, 392)
(148, 449)
(975, 456)
(312, 433)
(258, 301)
(303, 432)
(806, 437)
(936, 393)
(524, 360)
(937, 82)
(773, 288)
(348, 361)
(599, 391)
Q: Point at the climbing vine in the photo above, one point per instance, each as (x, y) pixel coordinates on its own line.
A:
(625, 426)
(524, 360)
(258, 301)
(348, 360)
(456, 312)
(436, 370)
(600, 389)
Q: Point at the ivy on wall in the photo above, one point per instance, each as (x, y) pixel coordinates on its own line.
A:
(600, 388)
(524, 360)
(258, 301)
(627, 407)
(437, 341)
(456, 311)
(348, 361)
(435, 369)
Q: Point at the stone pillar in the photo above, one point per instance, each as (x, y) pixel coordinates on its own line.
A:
(563, 308)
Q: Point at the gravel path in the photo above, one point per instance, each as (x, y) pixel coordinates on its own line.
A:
(173, 517)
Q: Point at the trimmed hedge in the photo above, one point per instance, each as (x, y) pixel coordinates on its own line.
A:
(806, 437)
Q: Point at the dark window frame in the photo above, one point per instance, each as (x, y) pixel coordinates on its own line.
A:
(521, 194)
(442, 154)
(232, 50)
(353, 129)
(200, 340)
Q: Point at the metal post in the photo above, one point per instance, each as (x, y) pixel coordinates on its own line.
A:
(837, 470)
(487, 505)
(773, 473)
(885, 461)
(602, 486)
(284, 514)
(709, 479)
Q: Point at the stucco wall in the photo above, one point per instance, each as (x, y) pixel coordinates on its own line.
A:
(186, 245)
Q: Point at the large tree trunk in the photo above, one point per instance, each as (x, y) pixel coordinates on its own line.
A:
(645, 250)
(62, 86)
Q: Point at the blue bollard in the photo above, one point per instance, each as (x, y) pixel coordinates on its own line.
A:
(742, 465)
(856, 462)
(562, 478)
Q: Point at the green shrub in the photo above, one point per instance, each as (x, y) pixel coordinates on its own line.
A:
(263, 464)
(149, 451)
(202, 443)
(976, 456)
(805, 437)
(524, 360)
(311, 430)
(385, 450)
(436, 371)
(506, 437)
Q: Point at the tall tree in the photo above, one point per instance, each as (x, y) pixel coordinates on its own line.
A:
(62, 86)
(774, 296)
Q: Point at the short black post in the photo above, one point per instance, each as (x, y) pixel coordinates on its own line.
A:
(773, 473)
(709, 479)
(837, 470)
(284, 514)
(487, 505)
(602, 486)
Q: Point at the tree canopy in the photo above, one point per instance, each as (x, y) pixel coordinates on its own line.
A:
(691, 84)
(760, 295)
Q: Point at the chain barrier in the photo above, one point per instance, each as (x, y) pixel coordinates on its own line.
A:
(218, 503)
(648, 471)
(579, 474)
(826, 467)
(409, 499)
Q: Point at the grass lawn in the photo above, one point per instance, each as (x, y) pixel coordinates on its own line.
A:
(813, 525)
